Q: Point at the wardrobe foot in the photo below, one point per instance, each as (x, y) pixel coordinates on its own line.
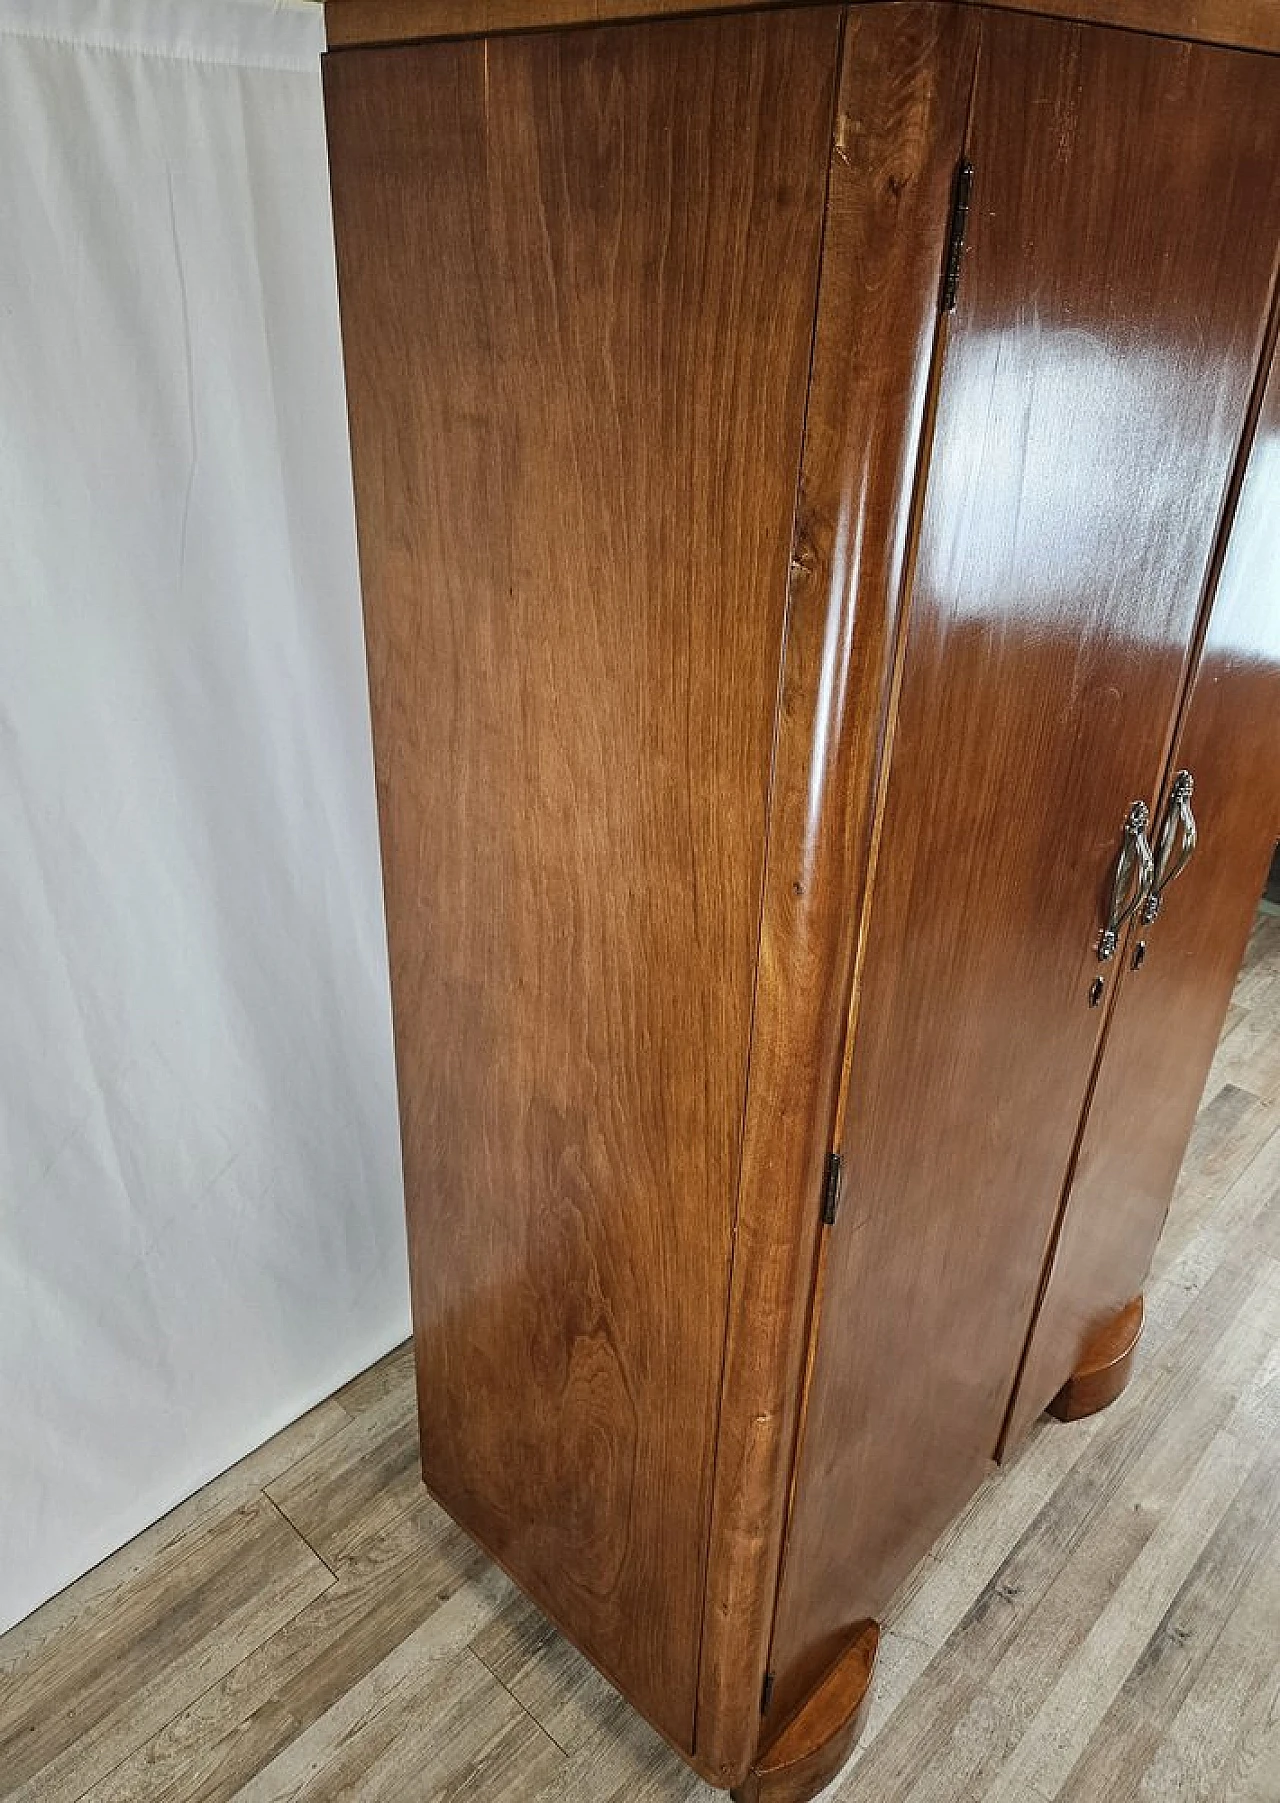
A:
(1104, 1370)
(810, 1750)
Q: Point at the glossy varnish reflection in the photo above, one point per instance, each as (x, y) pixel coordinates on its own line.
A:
(1097, 370)
(900, 121)
(1172, 1006)
(577, 321)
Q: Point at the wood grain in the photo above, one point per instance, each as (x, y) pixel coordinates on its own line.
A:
(430, 1705)
(104, 1587)
(1250, 24)
(391, 1579)
(89, 1698)
(995, 1658)
(365, 1479)
(1104, 1367)
(577, 322)
(809, 1751)
(1207, 1644)
(364, 22)
(561, 1691)
(1247, 24)
(904, 87)
(1053, 604)
(1171, 1010)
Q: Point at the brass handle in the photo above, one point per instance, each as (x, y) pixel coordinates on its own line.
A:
(1179, 836)
(1135, 873)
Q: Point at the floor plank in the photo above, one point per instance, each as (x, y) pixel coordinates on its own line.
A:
(358, 1480)
(551, 1679)
(241, 1484)
(136, 1657)
(399, 1578)
(429, 1707)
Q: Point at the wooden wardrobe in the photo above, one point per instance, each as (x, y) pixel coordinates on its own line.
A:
(818, 476)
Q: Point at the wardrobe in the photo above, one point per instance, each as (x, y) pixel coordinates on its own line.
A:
(818, 482)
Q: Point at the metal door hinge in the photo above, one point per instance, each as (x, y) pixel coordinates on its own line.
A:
(766, 1695)
(961, 194)
(831, 1188)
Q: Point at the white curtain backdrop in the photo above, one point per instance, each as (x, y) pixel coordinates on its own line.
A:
(200, 1230)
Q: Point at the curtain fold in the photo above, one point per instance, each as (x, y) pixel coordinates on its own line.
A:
(200, 1213)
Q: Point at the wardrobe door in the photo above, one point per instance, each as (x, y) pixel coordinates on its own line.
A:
(578, 274)
(1094, 383)
(1182, 965)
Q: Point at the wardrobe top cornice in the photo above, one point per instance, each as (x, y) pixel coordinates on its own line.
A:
(1246, 24)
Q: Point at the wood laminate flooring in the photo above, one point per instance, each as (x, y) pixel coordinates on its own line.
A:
(1102, 1623)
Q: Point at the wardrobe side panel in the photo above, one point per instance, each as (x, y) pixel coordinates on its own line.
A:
(1169, 1016)
(578, 276)
(1097, 375)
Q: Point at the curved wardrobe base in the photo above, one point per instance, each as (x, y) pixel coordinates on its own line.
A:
(1105, 1369)
(813, 1746)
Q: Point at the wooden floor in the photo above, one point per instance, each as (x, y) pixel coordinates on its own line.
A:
(1103, 1623)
